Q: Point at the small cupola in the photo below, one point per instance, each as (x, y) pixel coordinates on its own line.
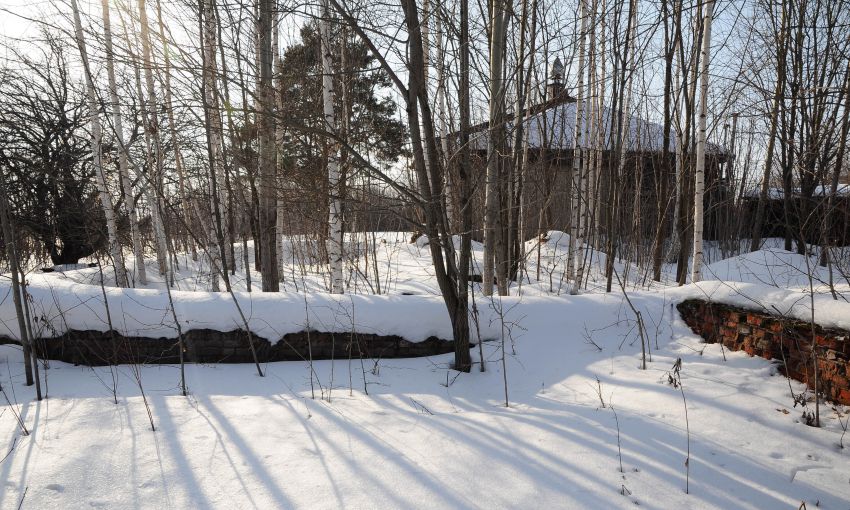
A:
(555, 86)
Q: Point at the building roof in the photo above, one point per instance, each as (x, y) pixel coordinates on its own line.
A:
(779, 193)
(553, 126)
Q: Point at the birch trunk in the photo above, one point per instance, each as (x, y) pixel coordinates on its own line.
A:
(172, 127)
(118, 132)
(152, 127)
(267, 151)
(593, 203)
(492, 224)
(589, 156)
(518, 146)
(442, 117)
(578, 147)
(699, 187)
(212, 123)
(334, 242)
(100, 174)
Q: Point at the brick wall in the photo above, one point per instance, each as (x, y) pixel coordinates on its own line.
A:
(210, 346)
(789, 341)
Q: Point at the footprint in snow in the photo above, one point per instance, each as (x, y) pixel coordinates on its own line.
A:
(55, 487)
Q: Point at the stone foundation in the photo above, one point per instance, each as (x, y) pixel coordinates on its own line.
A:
(209, 346)
(789, 341)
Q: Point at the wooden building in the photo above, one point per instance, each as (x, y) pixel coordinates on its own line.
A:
(638, 197)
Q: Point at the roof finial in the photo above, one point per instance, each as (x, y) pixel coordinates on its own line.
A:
(556, 71)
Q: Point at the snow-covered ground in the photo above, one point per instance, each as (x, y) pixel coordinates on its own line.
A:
(413, 433)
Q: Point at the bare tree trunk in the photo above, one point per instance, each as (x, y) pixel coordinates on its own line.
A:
(172, 128)
(828, 224)
(266, 123)
(100, 172)
(758, 221)
(280, 132)
(578, 148)
(442, 116)
(662, 201)
(335, 241)
(118, 131)
(626, 129)
(460, 312)
(519, 147)
(451, 276)
(12, 255)
(152, 127)
(493, 239)
(699, 188)
(212, 125)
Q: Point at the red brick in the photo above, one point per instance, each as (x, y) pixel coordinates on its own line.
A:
(754, 319)
(840, 381)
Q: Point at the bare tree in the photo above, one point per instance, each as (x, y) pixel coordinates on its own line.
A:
(335, 239)
(696, 272)
(96, 133)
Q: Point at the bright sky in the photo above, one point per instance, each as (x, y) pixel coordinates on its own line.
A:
(13, 26)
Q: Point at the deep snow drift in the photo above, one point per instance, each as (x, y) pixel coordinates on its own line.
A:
(413, 433)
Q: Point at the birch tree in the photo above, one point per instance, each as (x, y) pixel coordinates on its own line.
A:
(96, 133)
(152, 129)
(267, 150)
(493, 238)
(578, 146)
(334, 241)
(123, 167)
(213, 128)
(699, 186)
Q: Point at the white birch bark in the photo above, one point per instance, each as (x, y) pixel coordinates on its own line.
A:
(100, 174)
(578, 148)
(492, 223)
(592, 140)
(215, 130)
(696, 269)
(152, 126)
(442, 116)
(172, 127)
(593, 203)
(123, 169)
(334, 241)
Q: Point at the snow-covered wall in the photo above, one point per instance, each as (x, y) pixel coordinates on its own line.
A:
(58, 306)
(788, 340)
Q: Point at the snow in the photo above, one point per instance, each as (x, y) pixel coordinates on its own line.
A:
(818, 191)
(554, 127)
(405, 433)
